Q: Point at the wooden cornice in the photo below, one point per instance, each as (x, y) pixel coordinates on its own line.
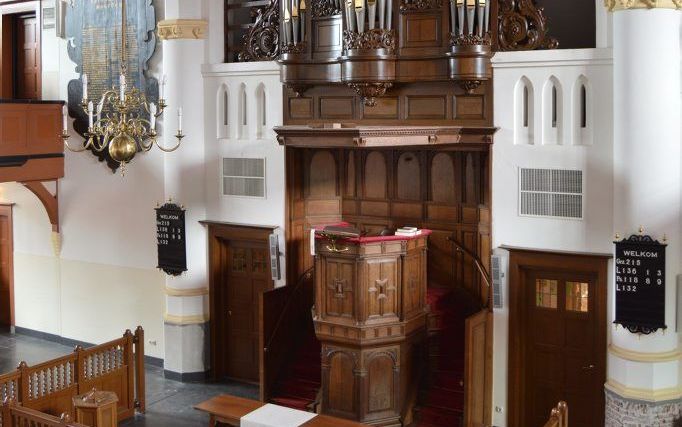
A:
(348, 136)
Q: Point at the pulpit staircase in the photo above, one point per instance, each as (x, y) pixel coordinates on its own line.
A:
(440, 401)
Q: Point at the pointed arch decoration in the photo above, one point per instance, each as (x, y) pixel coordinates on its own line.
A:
(524, 112)
(553, 122)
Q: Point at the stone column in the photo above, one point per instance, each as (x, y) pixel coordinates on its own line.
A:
(183, 33)
(643, 386)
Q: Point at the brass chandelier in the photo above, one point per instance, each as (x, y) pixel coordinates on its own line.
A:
(125, 122)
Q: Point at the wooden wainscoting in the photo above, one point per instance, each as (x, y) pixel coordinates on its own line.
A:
(557, 335)
(239, 272)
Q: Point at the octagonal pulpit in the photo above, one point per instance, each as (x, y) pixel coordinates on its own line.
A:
(370, 317)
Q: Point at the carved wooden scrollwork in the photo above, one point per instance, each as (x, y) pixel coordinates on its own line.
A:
(325, 8)
(470, 40)
(294, 48)
(522, 25)
(420, 5)
(369, 92)
(371, 39)
(261, 42)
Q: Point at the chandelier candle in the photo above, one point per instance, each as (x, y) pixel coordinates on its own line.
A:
(84, 79)
(123, 130)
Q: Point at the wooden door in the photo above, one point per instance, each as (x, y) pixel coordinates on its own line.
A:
(27, 58)
(6, 268)
(246, 275)
(562, 350)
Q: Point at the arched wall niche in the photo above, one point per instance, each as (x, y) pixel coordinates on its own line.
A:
(223, 111)
(553, 120)
(524, 112)
(583, 111)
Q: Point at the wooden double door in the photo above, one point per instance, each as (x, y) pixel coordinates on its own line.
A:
(240, 273)
(557, 338)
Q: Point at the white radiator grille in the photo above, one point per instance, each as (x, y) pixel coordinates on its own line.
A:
(551, 192)
(244, 177)
(497, 276)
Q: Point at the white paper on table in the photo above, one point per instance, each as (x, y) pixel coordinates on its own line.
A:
(270, 415)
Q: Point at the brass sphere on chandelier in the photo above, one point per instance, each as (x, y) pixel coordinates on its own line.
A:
(122, 148)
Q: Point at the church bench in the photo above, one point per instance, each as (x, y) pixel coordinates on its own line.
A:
(229, 410)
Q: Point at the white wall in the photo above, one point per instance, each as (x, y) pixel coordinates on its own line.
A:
(593, 154)
(245, 142)
(104, 280)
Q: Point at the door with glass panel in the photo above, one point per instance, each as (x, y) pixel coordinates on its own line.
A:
(561, 351)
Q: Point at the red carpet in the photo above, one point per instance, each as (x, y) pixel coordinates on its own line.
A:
(299, 386)
(441, 397)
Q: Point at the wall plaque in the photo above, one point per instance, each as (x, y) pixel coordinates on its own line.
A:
(640, 284)
(170, 239)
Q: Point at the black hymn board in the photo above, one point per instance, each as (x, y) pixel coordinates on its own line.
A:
(640, 284)
(170, 239)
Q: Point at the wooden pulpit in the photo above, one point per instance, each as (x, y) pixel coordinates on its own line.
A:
(370, 318)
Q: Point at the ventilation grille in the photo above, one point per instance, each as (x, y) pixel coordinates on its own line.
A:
(554, 193)
(244, 177)
(497, 276)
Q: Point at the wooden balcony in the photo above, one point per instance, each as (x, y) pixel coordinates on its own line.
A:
(31, 148)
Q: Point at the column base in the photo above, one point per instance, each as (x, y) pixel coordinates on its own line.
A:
(187, 351)
(626, 412)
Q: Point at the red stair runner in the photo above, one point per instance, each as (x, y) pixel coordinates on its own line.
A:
(299, 384)
(441, 397)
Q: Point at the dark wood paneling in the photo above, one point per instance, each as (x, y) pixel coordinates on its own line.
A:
(423, 103)
(421, 30)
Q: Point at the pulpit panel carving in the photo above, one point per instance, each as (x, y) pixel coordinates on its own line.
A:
(381, 367)
(382, 301)
(412, 276)
(339, 288)
(341, 393)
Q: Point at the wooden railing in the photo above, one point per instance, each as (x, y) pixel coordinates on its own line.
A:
(283, 311)
(49, 387)
(559, 416)
(485, 290)
(13, 415)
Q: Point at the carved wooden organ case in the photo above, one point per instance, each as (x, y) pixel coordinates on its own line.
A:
(372, 45)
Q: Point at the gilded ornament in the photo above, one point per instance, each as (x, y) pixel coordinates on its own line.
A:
(178, 29)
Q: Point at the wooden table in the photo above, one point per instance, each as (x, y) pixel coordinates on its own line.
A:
(230, 409)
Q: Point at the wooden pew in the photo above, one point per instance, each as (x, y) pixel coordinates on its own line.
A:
(50, 386)
(229, 410)
(559, 416)
(13, 415)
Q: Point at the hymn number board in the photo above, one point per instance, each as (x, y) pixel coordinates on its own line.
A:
(170, 239)
(640, 284)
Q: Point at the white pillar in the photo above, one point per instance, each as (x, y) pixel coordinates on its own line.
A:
(186, 319)
(644, 371)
